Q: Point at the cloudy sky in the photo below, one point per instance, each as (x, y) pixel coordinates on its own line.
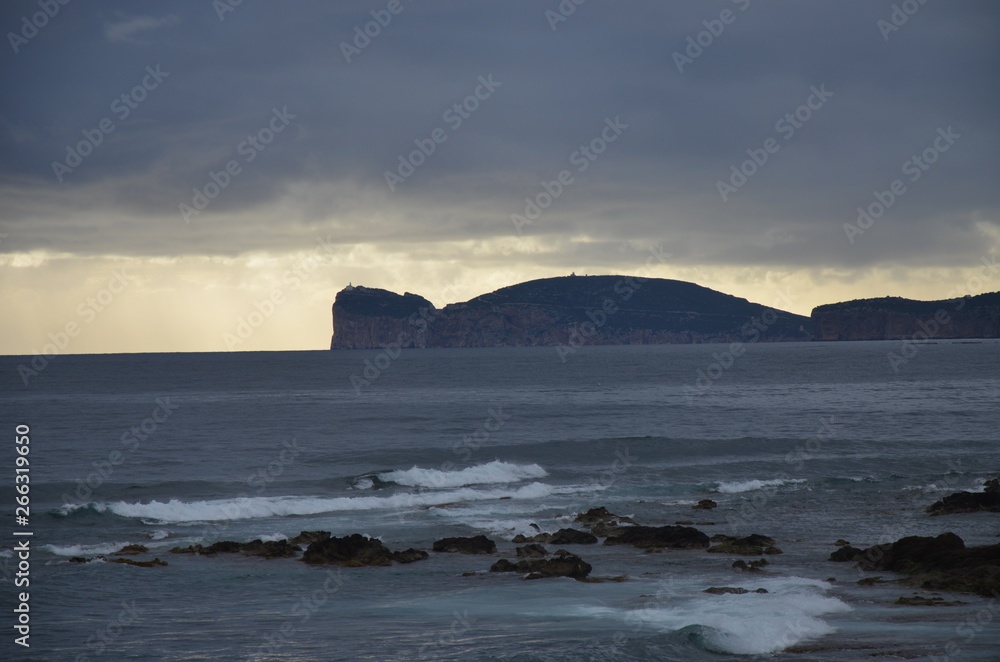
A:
(167, 169)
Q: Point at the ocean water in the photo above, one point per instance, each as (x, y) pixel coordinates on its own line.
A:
(804, 442)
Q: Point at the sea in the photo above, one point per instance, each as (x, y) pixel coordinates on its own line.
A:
(807, 443)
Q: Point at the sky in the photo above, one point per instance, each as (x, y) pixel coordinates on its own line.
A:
(206, 176)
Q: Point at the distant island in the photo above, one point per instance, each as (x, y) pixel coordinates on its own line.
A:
(895, 318)
(567, 311)
(570, 311)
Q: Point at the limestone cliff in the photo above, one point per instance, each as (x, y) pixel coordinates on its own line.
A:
(570, 310)
(894, 318)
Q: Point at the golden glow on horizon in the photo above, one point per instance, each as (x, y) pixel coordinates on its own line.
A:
(191, 303)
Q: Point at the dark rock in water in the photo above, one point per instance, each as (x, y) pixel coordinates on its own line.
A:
(223, 546)
(532, 551)
(705, 504)
(673, 537)
(272, 549)
(844, 554)
(941, 563)
(141, 564)
(352, 551)
(78, 559)
(872, 581)
(130, 550)
(541, 537)
(309, 537)
(474, 545)
(562, 565)
(752, 545)
(601, 521)
(842, 543)
(410, 556)
(773, 550)
(752, 566)
(572, 537)
(920, 601)
(722, 590)
(969, 502)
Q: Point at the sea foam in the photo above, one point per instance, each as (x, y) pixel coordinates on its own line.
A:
(177, 511)
(748, 624)
(491, 473)
(736, 487)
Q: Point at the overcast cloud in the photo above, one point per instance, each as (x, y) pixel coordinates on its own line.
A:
(206, 84)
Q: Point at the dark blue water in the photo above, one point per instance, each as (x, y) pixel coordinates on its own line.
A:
(806, 443)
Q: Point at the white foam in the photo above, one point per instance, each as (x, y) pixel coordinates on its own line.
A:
(176, 511)
(491, 473)
(85, 550)
(747, 624)
(736, 487)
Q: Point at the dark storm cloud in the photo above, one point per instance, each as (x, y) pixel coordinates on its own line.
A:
(223, 80)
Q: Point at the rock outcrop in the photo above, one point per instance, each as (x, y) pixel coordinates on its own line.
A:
(659, 537)
(938, 563)
(568, 310)
(563, 564)
(969, 502)
(474, 545)
(895, 318)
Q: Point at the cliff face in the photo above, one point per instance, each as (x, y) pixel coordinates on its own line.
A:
(893, 318)
(572, 310)
(366, 317)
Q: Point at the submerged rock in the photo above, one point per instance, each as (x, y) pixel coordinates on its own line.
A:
(131, 550)
(474, 545)
(672, 537)
(272, 549)
(722, 590)
(142, 564)
(935, 601)
(752, 545)
(705, 504)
